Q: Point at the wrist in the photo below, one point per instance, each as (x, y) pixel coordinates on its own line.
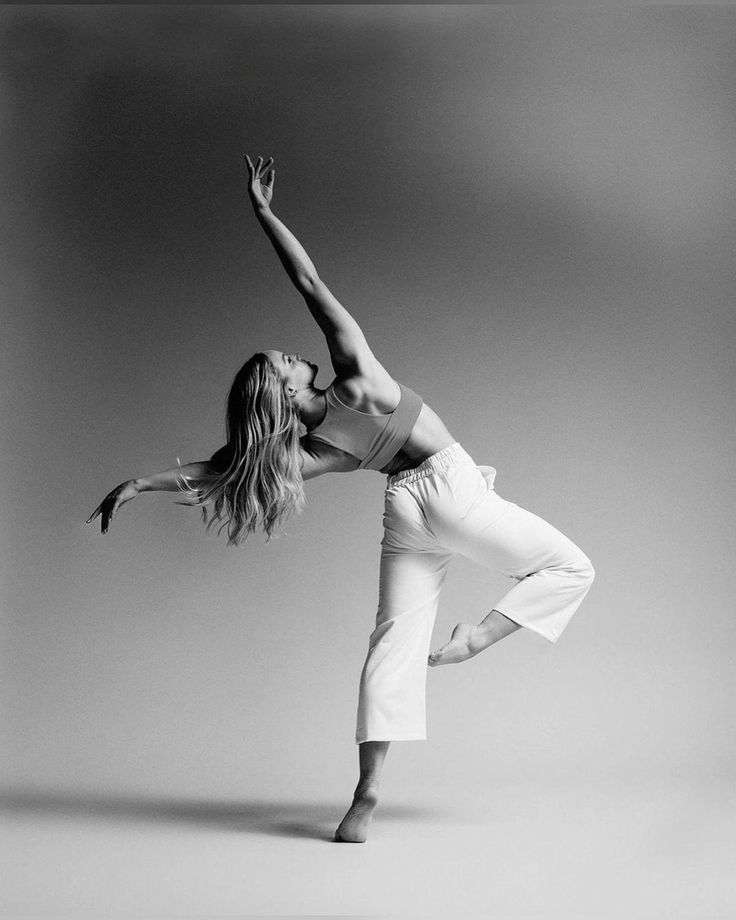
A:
(140, 485)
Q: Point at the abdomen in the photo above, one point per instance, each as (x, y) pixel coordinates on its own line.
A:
(428, 436)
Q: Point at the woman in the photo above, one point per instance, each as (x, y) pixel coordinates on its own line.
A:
(438, 503)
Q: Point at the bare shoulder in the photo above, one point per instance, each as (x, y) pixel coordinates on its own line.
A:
(372, 390)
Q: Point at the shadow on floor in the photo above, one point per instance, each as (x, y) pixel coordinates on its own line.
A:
(316, 820)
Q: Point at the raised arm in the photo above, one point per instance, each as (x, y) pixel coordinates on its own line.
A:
(298, 265)
(349, 350)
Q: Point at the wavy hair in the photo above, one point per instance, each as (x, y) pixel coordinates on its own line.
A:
(256, 479)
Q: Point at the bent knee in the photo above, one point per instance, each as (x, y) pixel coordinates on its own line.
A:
(585, 571)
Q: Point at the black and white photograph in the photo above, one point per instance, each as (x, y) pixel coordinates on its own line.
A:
(368, 428)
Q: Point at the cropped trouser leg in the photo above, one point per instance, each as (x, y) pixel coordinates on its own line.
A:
(552, 574)
(391, 702)
(447, 506)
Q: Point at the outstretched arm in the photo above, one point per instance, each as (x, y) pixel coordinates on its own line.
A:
(348, 347)
(170, 480)
(167, 481)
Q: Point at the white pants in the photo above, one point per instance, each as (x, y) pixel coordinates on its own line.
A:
(445, 506)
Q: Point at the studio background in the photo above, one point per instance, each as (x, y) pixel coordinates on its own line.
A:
(530, 212)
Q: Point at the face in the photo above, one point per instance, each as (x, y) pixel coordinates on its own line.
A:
(292, 368)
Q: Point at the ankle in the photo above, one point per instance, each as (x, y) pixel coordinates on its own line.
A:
(484, 634)
(366, 788)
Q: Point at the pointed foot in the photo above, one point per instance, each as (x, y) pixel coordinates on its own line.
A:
(466, 642)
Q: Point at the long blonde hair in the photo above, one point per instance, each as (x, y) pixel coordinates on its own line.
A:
(261, 483)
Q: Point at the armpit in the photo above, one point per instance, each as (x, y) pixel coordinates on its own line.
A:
(222, 458)
(320, 458)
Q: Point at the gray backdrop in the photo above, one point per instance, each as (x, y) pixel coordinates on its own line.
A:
(530, 213)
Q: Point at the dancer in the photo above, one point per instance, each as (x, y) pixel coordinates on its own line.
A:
(438, 503)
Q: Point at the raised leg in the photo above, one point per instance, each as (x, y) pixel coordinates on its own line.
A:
(551, 574)
(354, 826)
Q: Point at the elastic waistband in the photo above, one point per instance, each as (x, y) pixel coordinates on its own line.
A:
(439, 461)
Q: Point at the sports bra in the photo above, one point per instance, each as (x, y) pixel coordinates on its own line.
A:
(373, 439)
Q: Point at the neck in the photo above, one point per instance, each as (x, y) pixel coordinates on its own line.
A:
(311, 404)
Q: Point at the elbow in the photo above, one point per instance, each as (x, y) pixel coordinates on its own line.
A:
(307, 282)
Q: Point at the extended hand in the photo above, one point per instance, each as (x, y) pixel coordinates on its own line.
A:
(112, 501)
(260, 192)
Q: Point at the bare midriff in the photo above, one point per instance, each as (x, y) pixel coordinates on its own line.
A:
(428, 436)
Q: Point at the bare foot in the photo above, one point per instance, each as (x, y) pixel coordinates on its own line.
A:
(466, 642)
(354, 826)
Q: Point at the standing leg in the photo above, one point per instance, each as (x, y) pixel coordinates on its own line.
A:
(354, 826)
(391, 704)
